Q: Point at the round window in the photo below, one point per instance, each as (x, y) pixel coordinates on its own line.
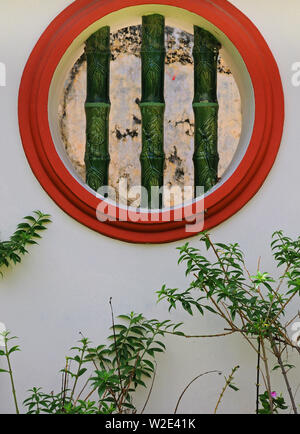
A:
(149, 122)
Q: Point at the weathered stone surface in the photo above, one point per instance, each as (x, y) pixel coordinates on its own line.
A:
(125, 117)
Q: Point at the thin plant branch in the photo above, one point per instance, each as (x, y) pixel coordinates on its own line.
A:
(190, 383)
(258, 376)
(150, 391)
(227, 384)
(284, 373)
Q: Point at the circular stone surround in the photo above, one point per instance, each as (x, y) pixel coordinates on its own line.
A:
(259, 144)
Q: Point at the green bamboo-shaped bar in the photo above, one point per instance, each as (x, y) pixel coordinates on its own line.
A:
(97, 108)
(206, 107)
(152, 106)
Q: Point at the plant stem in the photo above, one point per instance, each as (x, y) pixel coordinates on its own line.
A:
(150, 391)
(265, 360)
(78, 371)
(125, 390)
(284, 373)
(258, 376)
(64, 386)
(115, 341)
(228, 382)
(11, 376)
(201, 336)
(82, 390)
(191, 382)
(282, 309)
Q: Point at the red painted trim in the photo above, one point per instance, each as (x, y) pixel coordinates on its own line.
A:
(79, 202)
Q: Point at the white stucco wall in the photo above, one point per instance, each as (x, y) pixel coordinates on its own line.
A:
(64, 285)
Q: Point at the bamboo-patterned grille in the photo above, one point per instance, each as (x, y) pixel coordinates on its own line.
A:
(97, 108)
(152, 106)
(206, 107)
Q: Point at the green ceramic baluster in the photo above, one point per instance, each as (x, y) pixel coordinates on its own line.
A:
(206, 107)
(152, 104)
(97, 108)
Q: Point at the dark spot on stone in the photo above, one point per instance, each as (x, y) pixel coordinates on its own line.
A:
(169, 30)
(222, 68)
(131, 133)
(118, 134)
(174, 158)
(183, 121)
(179, 174)
(137, 101)
(136, 120)
(190, 131)
(128, 132)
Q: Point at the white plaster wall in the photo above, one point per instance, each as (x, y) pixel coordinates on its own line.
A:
(64, 285)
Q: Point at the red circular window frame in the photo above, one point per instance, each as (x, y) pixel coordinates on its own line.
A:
(77, 201)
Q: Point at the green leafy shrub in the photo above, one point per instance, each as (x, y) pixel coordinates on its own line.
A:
(254, 306)
(102, 379)
(278, 403)
(26, 234)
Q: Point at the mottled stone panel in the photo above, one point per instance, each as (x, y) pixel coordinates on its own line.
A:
(125, 117)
